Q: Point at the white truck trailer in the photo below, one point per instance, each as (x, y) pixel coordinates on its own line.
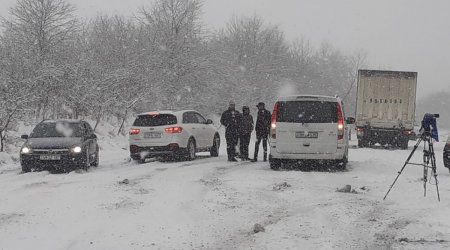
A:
(385, 107)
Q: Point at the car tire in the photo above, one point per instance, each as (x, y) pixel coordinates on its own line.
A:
(342, 164)
(26, 169)
(191, 150)
(97, 160)
(404, 144)
(86, 161)
(216, 145)
(275, 164)
(362, 143)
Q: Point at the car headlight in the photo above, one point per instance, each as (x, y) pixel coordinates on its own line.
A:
(76, 149)
(25, 150)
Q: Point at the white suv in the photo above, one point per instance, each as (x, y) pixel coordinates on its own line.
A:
(176, 134)
(308, 127)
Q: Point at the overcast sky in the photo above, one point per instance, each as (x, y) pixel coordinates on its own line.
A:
(411, 35)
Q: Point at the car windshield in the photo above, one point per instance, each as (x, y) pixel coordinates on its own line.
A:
(56, 129)
(155, 120)
(307, 112)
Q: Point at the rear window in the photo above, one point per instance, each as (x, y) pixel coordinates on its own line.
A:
(155, 120)
(307, 112)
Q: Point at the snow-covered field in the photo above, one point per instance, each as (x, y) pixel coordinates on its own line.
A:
(213, 204)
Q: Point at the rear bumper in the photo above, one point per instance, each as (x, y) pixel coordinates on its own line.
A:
(339, 155)
(139, 153)
(383, 135)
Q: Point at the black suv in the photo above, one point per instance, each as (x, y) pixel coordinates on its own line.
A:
(447, 153)
(60, 145)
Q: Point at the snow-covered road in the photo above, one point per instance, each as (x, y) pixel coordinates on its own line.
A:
(213, 204)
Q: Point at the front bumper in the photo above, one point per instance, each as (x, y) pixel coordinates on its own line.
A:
(66, 161)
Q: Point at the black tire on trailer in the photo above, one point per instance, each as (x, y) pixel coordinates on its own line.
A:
(404, 143)
(214, 152)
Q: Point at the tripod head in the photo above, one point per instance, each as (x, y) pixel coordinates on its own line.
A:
(429, 126)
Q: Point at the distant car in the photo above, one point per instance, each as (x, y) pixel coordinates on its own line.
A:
(310, 128)
(60, 144)
(447, 153)
(172, 134)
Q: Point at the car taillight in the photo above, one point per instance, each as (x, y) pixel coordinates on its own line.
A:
(273, 123)
(172, 130)
(134, 148)
(134, 131)
(340, 122)
(407, 132)
(360, 131)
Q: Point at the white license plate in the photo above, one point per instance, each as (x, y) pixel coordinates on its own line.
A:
(303, 134)
(152, 135)
(50, 157)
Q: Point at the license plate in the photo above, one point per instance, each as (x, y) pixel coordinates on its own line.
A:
(303, 134)
(50, 157)
(152, 135)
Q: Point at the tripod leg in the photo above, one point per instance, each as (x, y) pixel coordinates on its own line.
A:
(406, 163)
(433, 169)
(425, 172)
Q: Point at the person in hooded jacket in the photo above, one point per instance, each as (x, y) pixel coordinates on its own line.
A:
(245, 132)
(262, 129)
(230, 120)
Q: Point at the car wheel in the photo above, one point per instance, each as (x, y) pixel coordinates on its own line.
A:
(97, 160)
(275, 164)
(26, 169)
(191, 150)
(86, 161)
(342, 164)
(216, 145)
(404, 144)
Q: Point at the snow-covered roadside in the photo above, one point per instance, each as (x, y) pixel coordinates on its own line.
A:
(213, 204)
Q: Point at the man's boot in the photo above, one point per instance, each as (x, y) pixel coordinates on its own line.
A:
(255, 158)
(265, 156)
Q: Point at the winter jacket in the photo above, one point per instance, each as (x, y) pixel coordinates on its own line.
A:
(230, 120)
(246, 125)
(263, 123)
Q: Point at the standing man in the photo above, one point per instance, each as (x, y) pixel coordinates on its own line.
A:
(230, 120)
(262, 130)
(245, 132)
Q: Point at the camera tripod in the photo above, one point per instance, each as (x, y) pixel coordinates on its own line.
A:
(428, 157)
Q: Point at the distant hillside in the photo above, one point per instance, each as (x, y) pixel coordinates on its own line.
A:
(435, 103)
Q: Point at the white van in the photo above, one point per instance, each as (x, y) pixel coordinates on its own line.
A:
(308, 127)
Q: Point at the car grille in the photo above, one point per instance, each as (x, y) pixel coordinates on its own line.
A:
(50, 151)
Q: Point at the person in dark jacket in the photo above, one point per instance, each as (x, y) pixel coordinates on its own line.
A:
(230, 120)
(262, 129)
(245, 132)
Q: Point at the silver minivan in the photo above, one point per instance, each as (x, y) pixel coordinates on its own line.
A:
(309, 128)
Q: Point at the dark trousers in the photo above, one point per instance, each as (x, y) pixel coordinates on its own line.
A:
(243, 145)
(260, 138)
(232, 141)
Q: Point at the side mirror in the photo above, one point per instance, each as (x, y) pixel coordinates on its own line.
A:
(209, 121)
(350, 120)
(25, 137)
